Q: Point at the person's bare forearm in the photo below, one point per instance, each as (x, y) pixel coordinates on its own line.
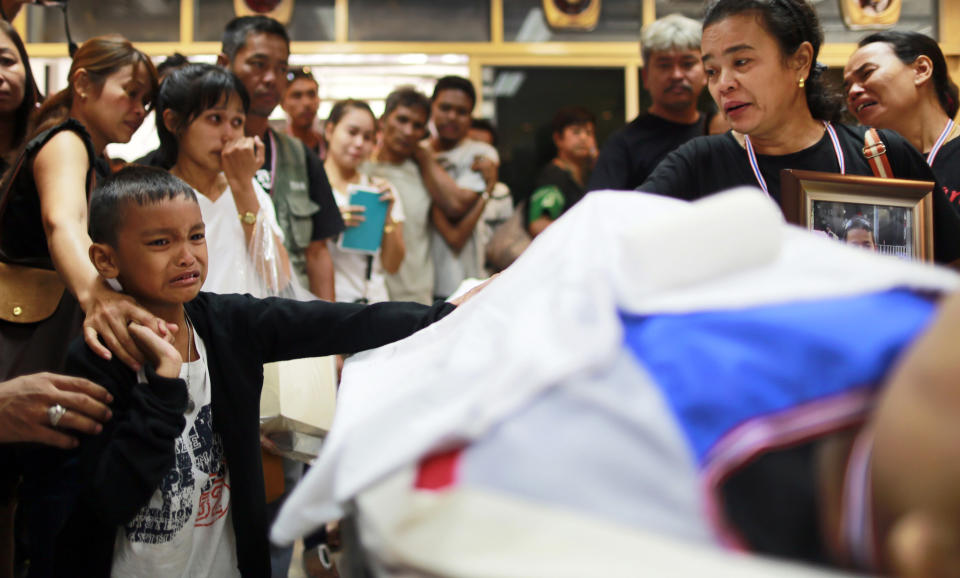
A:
(537, 226)
(453, 200)
(457, 234)
(320, 270)
(394, 249)
(68, 244)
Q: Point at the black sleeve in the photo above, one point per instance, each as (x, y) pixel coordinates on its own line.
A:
(676, 174)
(327, 222)
(288, 329)
(122, 466)
(907, 163)
(613, 166)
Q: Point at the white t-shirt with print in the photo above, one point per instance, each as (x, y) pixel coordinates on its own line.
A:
(350, 268)
(451, 269)
(186, 529)
(229, 266)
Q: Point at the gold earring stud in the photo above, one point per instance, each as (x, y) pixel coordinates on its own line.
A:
(802, 82)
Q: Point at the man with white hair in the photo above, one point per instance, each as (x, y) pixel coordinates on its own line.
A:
(673, 75)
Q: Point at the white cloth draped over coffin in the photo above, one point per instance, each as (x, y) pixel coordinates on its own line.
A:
(554, 315)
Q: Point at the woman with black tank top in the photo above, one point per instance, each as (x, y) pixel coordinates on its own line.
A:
(44, 222)
(760, 58)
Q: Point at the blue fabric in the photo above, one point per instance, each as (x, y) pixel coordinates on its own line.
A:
(720, 369)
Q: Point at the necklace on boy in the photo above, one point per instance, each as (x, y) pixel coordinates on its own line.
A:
(191, 405)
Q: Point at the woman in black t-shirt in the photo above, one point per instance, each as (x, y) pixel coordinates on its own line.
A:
(900, 81)
(760, 60)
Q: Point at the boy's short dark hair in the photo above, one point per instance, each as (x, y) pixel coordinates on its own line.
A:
(140, 184)
(406, 96)
(237, 30)
(570, 116)
(455, 83)
(857, 223)
(487, 125)
(172, 62)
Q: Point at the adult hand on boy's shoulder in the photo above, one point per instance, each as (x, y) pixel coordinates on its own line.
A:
(107, 315)
(25, 404)
(159, 351)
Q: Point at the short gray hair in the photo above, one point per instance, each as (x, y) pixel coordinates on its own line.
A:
(673, 32)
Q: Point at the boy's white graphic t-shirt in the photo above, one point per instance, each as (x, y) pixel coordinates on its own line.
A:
(186, 529)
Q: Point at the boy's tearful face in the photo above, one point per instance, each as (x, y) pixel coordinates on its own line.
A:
(161, 252)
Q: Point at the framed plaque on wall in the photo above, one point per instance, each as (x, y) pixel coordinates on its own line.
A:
(866, 14)
(279, 10)
(572, 14)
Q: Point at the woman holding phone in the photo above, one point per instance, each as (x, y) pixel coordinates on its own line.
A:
(350, 132)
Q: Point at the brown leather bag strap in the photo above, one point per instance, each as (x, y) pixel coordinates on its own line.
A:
(876, 152)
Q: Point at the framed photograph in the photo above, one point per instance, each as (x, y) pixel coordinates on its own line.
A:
(572, 14)
(890, 216)
(870, 14)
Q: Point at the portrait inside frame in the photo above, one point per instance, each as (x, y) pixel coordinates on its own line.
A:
(572, 14)
(889, 216)
(866, 14)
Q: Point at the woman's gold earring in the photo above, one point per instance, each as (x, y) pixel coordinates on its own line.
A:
(802, 82)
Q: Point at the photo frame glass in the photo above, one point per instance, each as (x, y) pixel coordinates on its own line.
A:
(886, 215)
(887, 229)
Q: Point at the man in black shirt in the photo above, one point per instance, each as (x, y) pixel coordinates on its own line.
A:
(256, 48)
(560, 183)
(673, 75)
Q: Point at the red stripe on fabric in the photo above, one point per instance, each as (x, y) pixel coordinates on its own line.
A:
(438, 471)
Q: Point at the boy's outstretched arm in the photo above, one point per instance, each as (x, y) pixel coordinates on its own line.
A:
(287, 329)
(124, 465)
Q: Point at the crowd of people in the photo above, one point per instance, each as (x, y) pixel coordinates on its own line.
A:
(122, 275)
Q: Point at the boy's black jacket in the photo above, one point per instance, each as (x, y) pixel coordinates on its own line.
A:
(120, 468)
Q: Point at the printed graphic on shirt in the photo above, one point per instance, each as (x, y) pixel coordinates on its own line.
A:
(547, 200)
(264, 178)
(952, 195)
(214, 500)
(448, 166)
(199, 453)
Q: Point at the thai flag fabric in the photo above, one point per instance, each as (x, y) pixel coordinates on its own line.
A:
(638, 353)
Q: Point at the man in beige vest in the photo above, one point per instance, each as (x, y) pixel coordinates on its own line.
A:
(256, 48)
